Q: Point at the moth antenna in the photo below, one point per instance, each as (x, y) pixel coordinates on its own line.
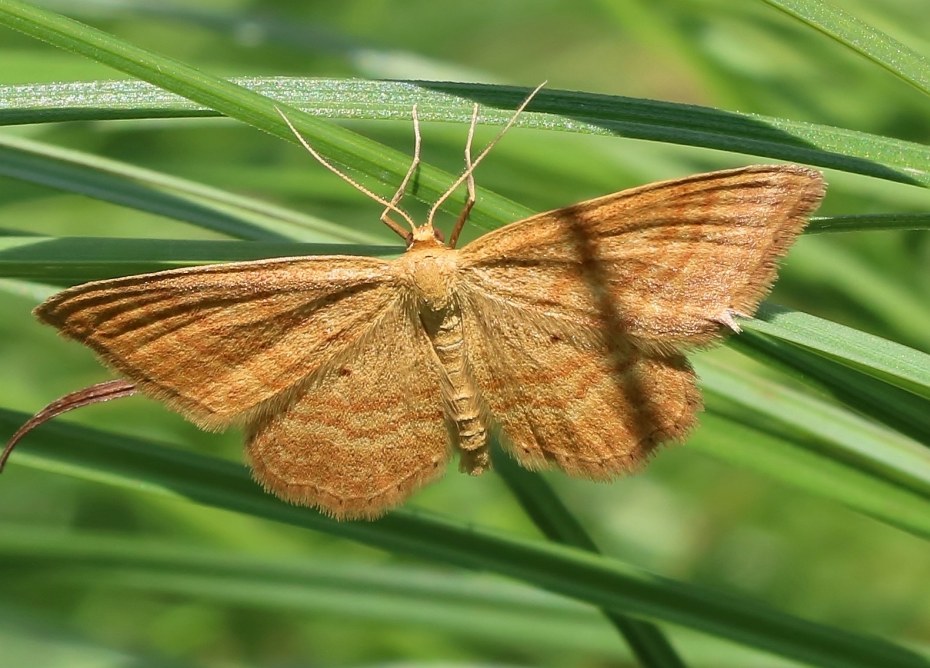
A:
(468, 172)
(389, 206)
(413, 164)
(95, 394)
(470, 198)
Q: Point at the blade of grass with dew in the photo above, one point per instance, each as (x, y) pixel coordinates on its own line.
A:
(868, 222)
(692, 125)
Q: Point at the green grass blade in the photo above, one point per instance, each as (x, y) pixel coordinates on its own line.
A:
(72, 260)
(874, 356)
(842, 435)
(147, 190)
(864, 39)
(612, 115)
(798, 464)
(879, 294)
(556, 522)
(814, 445)
(896, 408)
(869, 222)
(130, 463)
(470, 606)
(496, 611)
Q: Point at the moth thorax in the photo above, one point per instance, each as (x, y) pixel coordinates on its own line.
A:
(431, 269)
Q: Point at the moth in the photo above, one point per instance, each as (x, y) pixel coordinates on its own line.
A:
(357, 379)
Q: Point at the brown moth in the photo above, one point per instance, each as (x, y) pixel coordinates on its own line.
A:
(358, 378)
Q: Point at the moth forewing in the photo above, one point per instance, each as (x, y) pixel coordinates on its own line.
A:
(218, 341)
(665, 265)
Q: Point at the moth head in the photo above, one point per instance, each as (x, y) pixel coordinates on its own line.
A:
(426, 236)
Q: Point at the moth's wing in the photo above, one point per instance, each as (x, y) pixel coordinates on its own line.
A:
(215, 342)
(361, 435)
(572, 398)
(665, 265)
(573, 317)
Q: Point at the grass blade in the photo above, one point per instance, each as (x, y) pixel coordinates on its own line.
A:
(146, 190)
(72, 260)
(355, 153)
(866, 40)
(614, 115)
(874, 356)
(553, 518)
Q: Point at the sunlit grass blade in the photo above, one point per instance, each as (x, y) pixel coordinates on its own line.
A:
(864, 39)
(874, 376)
(147, 467)
(842, 435)
(899, 409)
(814, 445)
(869, 222)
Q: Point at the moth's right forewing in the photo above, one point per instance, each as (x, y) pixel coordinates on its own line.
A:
(663, 265)
(214, 342)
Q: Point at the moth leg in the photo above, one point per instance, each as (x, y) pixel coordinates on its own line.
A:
(95, 394)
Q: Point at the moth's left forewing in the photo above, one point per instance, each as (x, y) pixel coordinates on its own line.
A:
(363, 434)
(664, 265)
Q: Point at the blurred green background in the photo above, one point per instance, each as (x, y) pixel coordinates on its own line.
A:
(688, 517)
